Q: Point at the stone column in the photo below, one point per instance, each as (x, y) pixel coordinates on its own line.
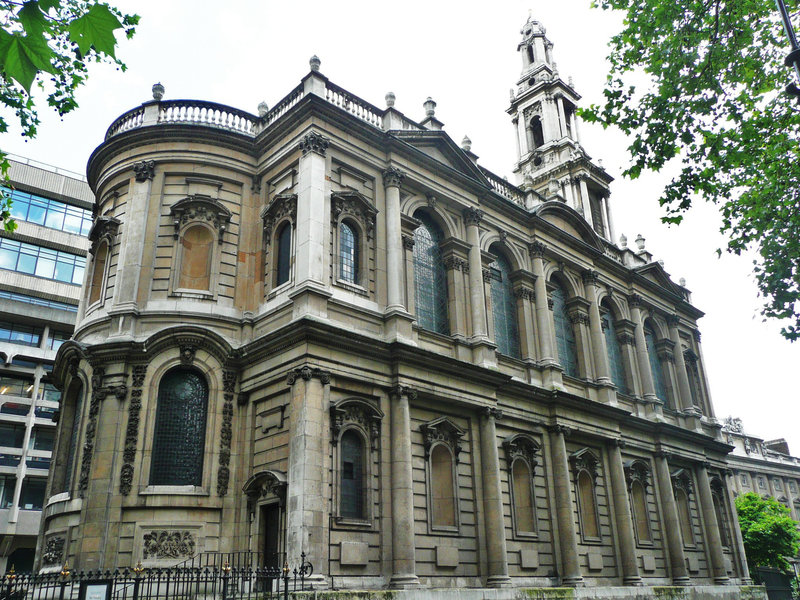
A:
(519, 135)
(403, 551)
(311, 217)
(602, 371)
(550, 119)
(307, 504)
(612, 233)
(493, 501)
(671, 522)
(544, 321)
(565, 515)
(708, 406)
(472, 218)
(744, 572)
(648, 390)
(527, 340)
(684, 391)
(711, 526)
(392, 178)
(622, 516)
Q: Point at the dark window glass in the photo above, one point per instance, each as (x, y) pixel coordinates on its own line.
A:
(614, 353)
(7, 485)
(537, 132)
(18, 333)
(38, 301)
(180, 430)
(16, 386)
(12, 436)
(284, 254)
(504, 307)
(50, 213)
(348, 253)
(32, 496)
(49, 392)
(57, 338)
(595, 203)
(430, 279)
(42, 439)
(42, 262)
(352, 475)
(655, 365)
(565, 336)
(38, 462)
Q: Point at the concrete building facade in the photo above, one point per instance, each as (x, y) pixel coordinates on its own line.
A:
(327, 329)
(41, 270)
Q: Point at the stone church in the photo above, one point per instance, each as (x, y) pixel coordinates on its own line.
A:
(326, 328)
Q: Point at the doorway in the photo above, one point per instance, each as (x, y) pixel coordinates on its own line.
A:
(271, 534)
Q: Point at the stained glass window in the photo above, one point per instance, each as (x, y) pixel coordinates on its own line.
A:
(430, 279)
(348, 253)
(352, 475)
(504, 307)
(565, 336)
(284, 254)
(655, 365)
(614, 353)
(180, 430)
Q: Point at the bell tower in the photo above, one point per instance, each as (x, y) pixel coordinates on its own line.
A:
(550, 158)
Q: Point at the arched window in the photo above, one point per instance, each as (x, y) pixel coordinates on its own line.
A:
(504, 307)
(537, 132)
(180, 429)
(98, 272)
(348, 253)
(684, 516)
(284, 250)
(641, 517)
(565, 336)
(523, 503)
(443, 497)
(198, 245)
(353, 475)
(430, 279)
(655, 364)
(614, 353)
(587, 508)
(531, 57)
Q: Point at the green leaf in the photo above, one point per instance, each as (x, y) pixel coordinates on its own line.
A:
(95, 29)
(22, 57)
(32, 19)
(47, 5)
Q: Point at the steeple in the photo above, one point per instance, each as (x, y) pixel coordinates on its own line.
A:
(550, 158)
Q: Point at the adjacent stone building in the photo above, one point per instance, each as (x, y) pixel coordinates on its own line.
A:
(41, 269)
(328, 329)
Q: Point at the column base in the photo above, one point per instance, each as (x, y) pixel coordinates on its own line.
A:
(397, 325)
(722, 580)
(551, 377)
(316, 582)
(310, 298)
(498, 581)
(483, 352)
(576, 581)
(607, 393)
(404, 581)
(632, 581)
(681, 581)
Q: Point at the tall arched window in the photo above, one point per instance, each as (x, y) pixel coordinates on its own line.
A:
(614, 353)
(655, 364)
(684, 516)
(71, 427)
(565, 336)
(284, 250)
(504, 307)
(180, 429)
(587, 507)
(641, 516)
(523, 504)
(198, 245)
(537, 132)
(443, 496)
(430, 279)
(348, 253)
(98, 272)
(353, 475)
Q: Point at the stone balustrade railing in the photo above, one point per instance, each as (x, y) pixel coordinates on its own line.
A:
(504, 188)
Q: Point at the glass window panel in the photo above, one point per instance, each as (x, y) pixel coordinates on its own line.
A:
(26, 264)
(655, 365)
(7, 485)
(565, 336)
(8, 259)
(352, 500)
(42, 439)
(348, 253)
(46, 267)
(77, 275)
(50, 213)
(443, 498)
(284, 254)
(11, 436)
(614, 353)
(430, 278)
(36, 214)
(504, 308)
(180, 429)
(54, 219)
(32, 495)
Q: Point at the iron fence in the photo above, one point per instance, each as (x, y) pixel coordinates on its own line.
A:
(174, 583)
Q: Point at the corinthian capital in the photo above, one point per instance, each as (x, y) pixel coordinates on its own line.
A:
(392, 177)
(473, 216)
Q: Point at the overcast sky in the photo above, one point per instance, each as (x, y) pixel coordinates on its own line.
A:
(463, 54)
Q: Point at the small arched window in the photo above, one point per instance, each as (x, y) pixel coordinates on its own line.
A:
(531, 57)
(443, 497)
(353, 474)
(523, 503)
(537, 132)
(587, 506)
(196, 257)
(504, 307)
(180, 429)
(655, 364)
(430, 279)
(348, 253)
(565, 336)
(684, 516)
(284, 257)
(641, 516)
(614, 352)
(98, 272)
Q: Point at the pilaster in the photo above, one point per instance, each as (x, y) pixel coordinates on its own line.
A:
(493, 501)
(552, 372)
(711, 526)
(599, 351)
(672, 529)
(623, 516)
(565, 520)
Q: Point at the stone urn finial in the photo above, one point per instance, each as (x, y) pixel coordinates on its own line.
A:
(466, 144)
(640, 242)
(623, 241)
(263, 109)
(158, 91)
(682, 281)
(390, 98)
(314, 63)
(430, 107)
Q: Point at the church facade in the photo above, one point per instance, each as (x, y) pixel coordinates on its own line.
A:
(326, 329)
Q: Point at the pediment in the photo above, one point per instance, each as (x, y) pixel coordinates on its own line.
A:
(568, 220)
(440, 147)
(655, 273)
